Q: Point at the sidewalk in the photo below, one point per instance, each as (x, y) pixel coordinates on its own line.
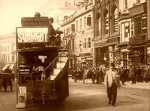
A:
(139, 85)
(128, 84)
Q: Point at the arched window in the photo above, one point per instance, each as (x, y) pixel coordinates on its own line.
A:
(114, 20)
(106, 22)
(98, 16)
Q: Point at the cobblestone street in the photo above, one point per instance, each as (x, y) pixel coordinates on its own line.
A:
(8, 99)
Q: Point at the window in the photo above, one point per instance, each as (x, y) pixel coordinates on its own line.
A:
(137, 1)
(68, 30)
(137, 25)
(13, 58)
(144, 23)
(80, 44)
(121, 33)
(114, 21)
(126, 29)
(132, 28)
(106, 22)
(80, 24)
(125, 4)
(66, 4)
(72, 27)
(89, 21)
(76, 25)
(84, 22)
(85, 43)
(99, 23)
(89, 42)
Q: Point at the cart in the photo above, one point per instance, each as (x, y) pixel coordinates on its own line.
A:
(6, 80)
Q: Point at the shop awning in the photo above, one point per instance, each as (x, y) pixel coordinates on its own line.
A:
(11, 66)
(125, 50)
(5, 67)
(90, 58)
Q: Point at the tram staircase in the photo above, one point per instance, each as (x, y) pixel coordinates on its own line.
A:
(60, 64)
(59, 76)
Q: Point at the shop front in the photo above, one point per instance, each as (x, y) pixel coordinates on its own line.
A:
(148, 55)
(137, 43)
(137, 56)
(105, 51)
(101, 51)
(138, 51)
(123, 49)
(102, 56)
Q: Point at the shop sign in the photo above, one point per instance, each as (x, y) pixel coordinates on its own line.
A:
(137, 40)
(136, 10)
(113, 40)
(101, 43)
(30, 35)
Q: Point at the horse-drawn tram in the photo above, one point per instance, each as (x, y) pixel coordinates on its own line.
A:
(42, 66)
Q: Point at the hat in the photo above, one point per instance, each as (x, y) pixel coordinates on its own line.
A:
(51, 19)
(112, 65)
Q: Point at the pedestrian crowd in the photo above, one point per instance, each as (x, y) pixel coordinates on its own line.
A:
(97, 74)
(112, 77)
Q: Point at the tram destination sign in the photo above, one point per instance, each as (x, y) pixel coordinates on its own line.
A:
(32, 35)
(34, 21)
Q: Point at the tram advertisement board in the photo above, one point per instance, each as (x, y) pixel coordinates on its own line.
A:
(32, 34)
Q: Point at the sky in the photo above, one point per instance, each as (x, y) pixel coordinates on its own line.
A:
(11, 12)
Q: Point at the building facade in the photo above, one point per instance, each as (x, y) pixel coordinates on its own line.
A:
(8, 50)
(133, 32)
(81, 34)
(148, 30)
(106, 32)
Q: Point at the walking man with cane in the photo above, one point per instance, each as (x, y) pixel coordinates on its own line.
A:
(112, 81)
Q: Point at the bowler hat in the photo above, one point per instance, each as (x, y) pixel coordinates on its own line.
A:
(112, 64)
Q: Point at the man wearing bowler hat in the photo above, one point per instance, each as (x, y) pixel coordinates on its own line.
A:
(112, 81)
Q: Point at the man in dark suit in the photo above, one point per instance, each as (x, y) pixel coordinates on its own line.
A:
(112, 81)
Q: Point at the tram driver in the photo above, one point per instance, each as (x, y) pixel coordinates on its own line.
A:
(54, 35)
